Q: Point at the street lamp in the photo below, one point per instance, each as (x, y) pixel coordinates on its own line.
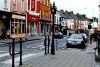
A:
(53, 11)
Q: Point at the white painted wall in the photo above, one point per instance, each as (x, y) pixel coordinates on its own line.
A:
(57, 17)
(64, 22)
(70, 23)
(2, 6)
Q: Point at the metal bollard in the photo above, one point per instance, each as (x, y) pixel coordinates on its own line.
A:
(48, 43)
(13, 54)
(20, 51)
(98, 47)
(56, 45)
(12, 51)
(45, 46)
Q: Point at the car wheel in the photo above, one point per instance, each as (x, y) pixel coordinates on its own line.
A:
(67, 45)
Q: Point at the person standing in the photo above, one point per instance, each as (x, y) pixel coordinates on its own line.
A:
(4, 33)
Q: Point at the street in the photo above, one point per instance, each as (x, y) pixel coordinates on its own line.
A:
(33, 50)
(30, 49)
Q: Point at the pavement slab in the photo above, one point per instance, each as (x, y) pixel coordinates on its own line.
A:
(66, 58)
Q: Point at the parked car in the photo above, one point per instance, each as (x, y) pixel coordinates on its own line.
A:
(76, 40)
(58, 35)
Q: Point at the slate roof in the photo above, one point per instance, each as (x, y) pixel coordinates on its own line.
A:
(62, 15)
(72, 16)
(81, 17)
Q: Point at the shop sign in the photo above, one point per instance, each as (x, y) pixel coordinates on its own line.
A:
(33, 18)
(18, 17)
(18, 35)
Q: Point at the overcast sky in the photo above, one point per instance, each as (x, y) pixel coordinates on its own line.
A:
(88, 7)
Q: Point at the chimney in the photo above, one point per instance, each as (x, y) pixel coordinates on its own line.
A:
(71, 12)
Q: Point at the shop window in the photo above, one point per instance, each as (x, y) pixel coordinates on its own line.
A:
(47, 2)
(12, 28)
(12, 20)
(22, 5)
(23, 28)
(16, 20)
(19, 27)
(5, 4)
(16, 26)
(40, 14)
(28, 4)
(41, 28)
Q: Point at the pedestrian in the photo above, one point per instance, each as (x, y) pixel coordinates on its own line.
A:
(4, 33)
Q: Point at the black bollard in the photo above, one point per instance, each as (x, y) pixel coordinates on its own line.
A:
(13, 52)
(48, 43)
(45, 45)
(20, 51)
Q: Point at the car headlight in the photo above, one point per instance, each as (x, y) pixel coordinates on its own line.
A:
(78, 42)
(69, 41)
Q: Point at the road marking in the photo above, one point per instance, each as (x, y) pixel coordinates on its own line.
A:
(3, 55)
(9, 61)
(35, 46)
(3, 51)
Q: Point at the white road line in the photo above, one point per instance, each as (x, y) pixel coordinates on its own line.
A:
(3, 51)
(35, 46)
(23, 57)
(3, 55)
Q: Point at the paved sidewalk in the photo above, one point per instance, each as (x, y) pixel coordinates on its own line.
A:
(6, 41)
(65, 58)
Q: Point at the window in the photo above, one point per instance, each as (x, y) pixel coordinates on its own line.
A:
(40, 14)
(47, 3)
(5, 4)
(22, 5)
(28, 4)
(44, 2)
(15, 4)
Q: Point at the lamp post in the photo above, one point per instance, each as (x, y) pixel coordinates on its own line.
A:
(53, 11)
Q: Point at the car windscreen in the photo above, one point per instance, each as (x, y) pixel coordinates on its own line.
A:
(76, 36)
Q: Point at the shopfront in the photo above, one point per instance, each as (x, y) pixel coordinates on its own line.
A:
(17, 24)
(45, 27)
(4, 20)
(32, 24)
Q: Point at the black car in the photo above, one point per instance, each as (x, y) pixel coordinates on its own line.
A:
(76, 40)
(58, 35)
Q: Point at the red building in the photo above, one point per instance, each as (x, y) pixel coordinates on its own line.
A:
(32, 20)
(18, 12)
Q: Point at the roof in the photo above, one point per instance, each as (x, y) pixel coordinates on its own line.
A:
(72, 16)
(62, 15)
(81, 17)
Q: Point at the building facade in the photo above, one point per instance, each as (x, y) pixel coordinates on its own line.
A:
(57, 21)
(32, 20)
(18, 12)
(4, 15)
(45, 17)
